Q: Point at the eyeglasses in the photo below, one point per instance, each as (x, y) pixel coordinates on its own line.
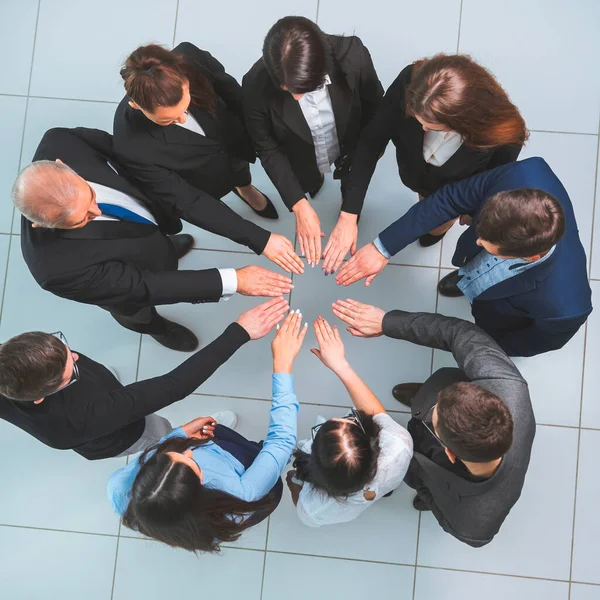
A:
(75, 375)
(428, 424)
(352, 415)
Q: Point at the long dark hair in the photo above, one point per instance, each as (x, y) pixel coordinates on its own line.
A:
(169, 504)
(343, 459)
(453, 90)
(296, 54)
(154, 77)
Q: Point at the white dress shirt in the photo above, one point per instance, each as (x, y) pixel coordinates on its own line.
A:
(318, 111)
(316, 508)
(192, 124)
(439, 146)
(106, 195)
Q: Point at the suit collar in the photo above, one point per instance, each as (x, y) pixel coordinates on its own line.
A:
(107, 230)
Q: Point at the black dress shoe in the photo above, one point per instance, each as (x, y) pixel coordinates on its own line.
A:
(448, 285)
(430, 240)
(268, 212)
(176, 337)
(405, 392)
(183, 243)
(312, 193)
(419, 505)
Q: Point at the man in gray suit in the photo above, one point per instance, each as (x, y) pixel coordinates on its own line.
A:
(473, 427)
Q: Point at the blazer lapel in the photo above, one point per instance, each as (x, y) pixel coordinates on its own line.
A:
(175, 134)
(290, 112)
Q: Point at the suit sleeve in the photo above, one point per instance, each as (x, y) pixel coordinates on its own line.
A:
(454, 199)
(372, 142)
(121, 406)
(195, 206)
(114, 283)
(370, 88)
(225, 85)
(475, 352)
(271, 153)
(504, 155)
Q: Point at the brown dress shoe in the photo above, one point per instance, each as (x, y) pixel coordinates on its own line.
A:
(405, 392)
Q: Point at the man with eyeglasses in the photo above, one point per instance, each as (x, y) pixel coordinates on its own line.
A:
(68, 401)
(472, 427)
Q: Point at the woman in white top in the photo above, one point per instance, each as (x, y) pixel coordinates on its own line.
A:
(352, 461)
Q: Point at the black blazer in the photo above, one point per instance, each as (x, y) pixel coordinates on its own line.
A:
(190, 172)
(471, 511)
(120, 266)
(391, 123)
(99, 418)
(280, 132)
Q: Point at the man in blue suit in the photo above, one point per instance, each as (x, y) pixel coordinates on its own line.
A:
(521, 264)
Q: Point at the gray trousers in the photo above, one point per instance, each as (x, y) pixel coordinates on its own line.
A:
(156, 427)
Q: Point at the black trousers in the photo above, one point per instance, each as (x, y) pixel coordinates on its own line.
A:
(241, 176)
(145, 320)
(246, 451)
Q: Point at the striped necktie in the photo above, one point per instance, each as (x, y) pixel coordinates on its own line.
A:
(112, 210)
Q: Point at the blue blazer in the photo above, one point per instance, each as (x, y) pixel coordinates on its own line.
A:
(536, 311)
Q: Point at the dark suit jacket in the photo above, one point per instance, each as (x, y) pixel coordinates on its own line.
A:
(120, 266)
(280, 132)
(188, 172)
(391, 123)
(99, 418)
(538, 310)
(472, 512)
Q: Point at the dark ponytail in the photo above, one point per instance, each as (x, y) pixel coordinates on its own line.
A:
(154, 77)
(343, 459)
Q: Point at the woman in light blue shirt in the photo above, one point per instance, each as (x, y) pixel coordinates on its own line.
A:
(203, 483)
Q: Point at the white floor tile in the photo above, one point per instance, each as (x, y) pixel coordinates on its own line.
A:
(60, 565)
(556, 400)
(11, 133)
(391, 521)
(535, 539)
(551, 47)
(251, 365)
(235, 42)
(154, 571)
(580, 591)
(587, 519)
(81, 46)
(456, 585)
(89, 329)
(17, 32)
(590, 411)
(382, 362)
(573, 160)
(4, 244)
(433, 29)
(54, 489)
(299, 577)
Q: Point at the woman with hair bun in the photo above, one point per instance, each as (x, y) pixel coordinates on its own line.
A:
(179, 131)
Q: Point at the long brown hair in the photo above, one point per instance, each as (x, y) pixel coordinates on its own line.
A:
(154, 76)
(169, 504)
(453, 90)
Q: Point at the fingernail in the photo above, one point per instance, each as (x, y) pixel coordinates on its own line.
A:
(277, 325)
(305, 324)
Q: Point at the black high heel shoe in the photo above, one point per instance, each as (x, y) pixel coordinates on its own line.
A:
(268, 212)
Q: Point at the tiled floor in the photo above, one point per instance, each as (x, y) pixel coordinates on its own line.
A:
(58, 538)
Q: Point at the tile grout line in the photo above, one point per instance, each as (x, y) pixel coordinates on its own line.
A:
(317, 15)
(595, 200)
(114, 578)
(262, 581)
(583, 376)
(459, 26)
(175, 25)
(416, 557)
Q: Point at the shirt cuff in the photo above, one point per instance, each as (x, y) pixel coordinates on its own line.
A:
(229, 281)
(379, 245)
